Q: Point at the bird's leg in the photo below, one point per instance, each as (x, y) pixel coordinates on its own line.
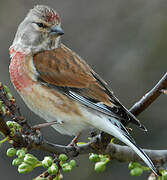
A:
(75, 140)
(36, 130)
(39, 126)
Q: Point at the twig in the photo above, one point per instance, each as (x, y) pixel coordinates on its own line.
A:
(150, 97)
(13, 110)
(3, 127)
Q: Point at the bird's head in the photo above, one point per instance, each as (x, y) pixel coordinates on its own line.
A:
(40, 30)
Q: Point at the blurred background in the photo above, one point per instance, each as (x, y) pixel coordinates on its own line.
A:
(125, 42)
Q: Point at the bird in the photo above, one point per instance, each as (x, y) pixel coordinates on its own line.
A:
(59, 86)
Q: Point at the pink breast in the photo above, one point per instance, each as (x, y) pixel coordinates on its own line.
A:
(18, 72)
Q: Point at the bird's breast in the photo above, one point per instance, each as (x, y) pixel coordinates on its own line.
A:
(18, 72)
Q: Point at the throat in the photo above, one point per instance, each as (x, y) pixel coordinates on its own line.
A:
(18, 72)
(54, 43)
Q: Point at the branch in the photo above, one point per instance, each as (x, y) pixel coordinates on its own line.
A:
(116, 151)
(126, 154)
(150, 97)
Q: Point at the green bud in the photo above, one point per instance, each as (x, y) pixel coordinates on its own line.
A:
(164, 175)
(3, 109)
(72, 163)
(25, 168)
(11, 152)
(104, 158)
(133, 165)
(47, 162)
(100, 166)
(17, 126)
(20, 153)
(151, 178)
(9, 95)
(30, 159)
(94, 157)
(53, 169)
(66, 167)
(10, 124)
(56, 178)
(136, 171)
(63, 157)
(17, 161)
(6, 89)
(12, 131)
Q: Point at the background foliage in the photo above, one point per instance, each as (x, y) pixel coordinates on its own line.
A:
(124, 41)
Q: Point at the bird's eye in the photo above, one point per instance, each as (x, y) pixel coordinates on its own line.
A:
(41, 25)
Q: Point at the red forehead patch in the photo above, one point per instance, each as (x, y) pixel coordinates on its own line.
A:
(53, 17)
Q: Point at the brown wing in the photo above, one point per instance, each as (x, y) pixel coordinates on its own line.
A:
(63, 69)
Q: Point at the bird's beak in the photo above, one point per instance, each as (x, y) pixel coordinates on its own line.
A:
(57, 30)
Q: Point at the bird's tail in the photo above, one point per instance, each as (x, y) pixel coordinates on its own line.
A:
(116, 129)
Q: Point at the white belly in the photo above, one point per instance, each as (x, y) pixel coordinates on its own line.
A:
(51, 105)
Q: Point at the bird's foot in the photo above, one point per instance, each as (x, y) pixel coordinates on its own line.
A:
(75, 140)
(73, 147)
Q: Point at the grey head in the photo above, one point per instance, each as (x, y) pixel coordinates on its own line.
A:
(40, 30)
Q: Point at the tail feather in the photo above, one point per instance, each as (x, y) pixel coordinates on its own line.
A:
(116, 129)
(143, 156)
